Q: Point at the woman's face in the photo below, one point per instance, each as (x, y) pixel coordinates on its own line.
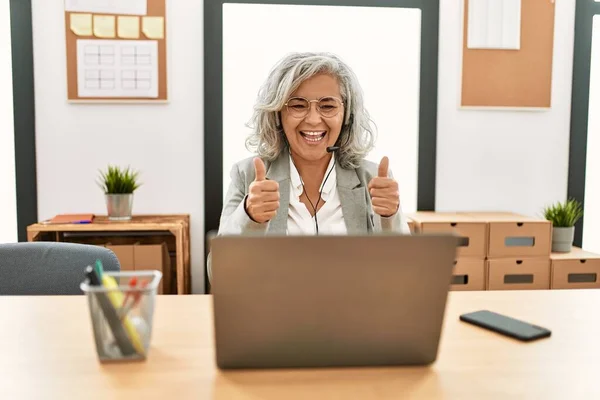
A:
(310, 131)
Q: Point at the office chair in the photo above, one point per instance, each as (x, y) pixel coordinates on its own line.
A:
(49, 268)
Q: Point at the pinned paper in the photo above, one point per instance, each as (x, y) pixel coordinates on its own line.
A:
(153, 27)
(128, 27)
(104, 26)
(117, 68)
(81, 24)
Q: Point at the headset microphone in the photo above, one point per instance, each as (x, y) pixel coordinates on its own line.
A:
(331, 149)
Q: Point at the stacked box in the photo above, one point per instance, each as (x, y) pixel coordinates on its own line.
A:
(136, 257)
(577, 269)
(518, 251)
(469, 265)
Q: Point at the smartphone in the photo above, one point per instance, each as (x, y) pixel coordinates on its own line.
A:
(505, 325)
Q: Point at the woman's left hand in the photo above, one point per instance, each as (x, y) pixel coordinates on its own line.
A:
(385, 196)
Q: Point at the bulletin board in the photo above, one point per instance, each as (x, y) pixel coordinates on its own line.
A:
(116, 50)
(512, 78)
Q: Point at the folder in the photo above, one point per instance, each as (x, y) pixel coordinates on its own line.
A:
(72, 219)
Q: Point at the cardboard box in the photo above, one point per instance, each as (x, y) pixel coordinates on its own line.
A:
(518, 273)
(515, 235)
(125, 255)
(577, 269)
(473, 234)
(145, 257)
(469, 274)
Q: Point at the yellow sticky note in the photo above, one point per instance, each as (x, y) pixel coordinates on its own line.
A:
(128, 27)
(104, 26)
(81, 24)
(153, 27)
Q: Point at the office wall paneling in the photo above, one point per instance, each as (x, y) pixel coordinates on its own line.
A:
(24, 114)
(8, 199)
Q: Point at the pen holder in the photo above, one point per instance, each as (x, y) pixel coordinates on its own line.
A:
(122, 314)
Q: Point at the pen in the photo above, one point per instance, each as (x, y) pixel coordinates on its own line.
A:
(112, 318)
(92, 276)
(116, 299)
(132, 285)
(136, 299)
(99, 269)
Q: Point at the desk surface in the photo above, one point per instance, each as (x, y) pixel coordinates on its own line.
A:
(41, 357)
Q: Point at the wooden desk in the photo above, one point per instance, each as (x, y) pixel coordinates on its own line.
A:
(47, 351)
(156, 225)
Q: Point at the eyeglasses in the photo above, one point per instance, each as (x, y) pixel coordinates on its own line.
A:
(328, 107)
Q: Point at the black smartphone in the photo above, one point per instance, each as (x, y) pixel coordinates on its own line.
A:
(505, 325)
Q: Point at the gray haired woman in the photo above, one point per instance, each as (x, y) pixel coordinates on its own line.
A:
(311, 134)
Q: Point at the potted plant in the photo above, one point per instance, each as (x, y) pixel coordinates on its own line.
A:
(563, 217)
(118, 185)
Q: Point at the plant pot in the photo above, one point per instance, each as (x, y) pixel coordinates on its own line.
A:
(562, 239)
(119, 206)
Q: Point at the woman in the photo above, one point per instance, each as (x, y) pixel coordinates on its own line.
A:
(311, 134)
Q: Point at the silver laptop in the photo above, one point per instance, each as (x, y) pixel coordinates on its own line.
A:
(329, 301)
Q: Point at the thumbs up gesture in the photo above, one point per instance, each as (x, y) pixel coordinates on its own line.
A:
(263, 200)
(385, 196)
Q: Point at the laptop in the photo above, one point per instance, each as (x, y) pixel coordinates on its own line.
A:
(329, 301)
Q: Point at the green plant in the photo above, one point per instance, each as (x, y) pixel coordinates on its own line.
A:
(564, 215)
(116, 180)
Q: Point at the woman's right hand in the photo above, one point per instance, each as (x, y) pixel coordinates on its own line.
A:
(263, 200)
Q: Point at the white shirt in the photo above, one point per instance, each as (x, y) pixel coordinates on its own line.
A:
(329, 218)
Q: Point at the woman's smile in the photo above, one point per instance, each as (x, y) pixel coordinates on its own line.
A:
(313, 137)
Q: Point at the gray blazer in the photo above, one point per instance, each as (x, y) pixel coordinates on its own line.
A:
(351, 185)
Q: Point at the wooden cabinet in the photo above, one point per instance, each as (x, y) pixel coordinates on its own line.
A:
(173, 230)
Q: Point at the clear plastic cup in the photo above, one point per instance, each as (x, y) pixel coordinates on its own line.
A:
(121, 311)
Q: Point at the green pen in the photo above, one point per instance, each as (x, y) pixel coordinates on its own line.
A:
(99, 269)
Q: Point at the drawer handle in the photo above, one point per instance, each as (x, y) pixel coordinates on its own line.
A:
(582, 278)
(518, 278)
(463, 241)
(460, 279)
(519, 241)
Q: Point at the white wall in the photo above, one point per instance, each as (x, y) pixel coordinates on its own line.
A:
(8, 196)
(591, 224)
(502, 160)
(389, 79)
(164, 141)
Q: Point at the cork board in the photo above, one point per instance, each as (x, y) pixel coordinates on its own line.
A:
(122, 55)
(512, 78)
